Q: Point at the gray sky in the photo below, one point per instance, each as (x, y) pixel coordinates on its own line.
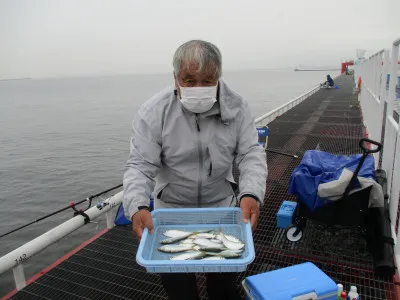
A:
(46, 38)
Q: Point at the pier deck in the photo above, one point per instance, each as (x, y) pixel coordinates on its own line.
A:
(329, 120)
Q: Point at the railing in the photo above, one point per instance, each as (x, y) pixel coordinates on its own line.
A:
(373, 96)
(264, 120)
(16, 258)
(381, 124)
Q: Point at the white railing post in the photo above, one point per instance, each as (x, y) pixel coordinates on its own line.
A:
(19, 277)
(109, 218)
(393, 77)
(383, 100)
(374, 74)
(379, 74)
(385, 70)
(372, 105)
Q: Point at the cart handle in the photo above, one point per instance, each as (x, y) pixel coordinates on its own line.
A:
(368, 151)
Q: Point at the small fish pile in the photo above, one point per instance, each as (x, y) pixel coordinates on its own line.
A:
(202, 244)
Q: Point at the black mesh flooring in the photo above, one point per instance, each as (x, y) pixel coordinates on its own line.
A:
(329, 120)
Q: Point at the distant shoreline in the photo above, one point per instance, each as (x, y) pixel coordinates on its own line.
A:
(9, 79)
(317, 70)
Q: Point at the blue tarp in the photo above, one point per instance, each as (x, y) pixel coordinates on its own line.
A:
(318, 167)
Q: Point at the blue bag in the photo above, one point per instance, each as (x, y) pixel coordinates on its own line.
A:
(319, 167)
(120, 218)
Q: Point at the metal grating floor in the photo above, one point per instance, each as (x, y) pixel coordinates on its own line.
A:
(329, 120)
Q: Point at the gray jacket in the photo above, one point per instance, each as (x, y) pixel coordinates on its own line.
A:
(187, 158)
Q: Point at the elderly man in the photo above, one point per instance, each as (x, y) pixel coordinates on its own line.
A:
(184, 142)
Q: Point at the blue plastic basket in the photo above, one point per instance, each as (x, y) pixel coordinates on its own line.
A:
(229, 220)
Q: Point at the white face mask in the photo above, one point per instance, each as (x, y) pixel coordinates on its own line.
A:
(198, 99)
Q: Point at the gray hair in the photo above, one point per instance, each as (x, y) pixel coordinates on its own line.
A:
(201, 52)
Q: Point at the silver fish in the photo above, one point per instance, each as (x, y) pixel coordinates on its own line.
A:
(229, 238)
(225, 253)
(209, 249)
(205, 235)
(187, 242)
(174, 239)
(213, 258)
(189, 255)
(175, 248)
(172, 233)
(216, 241)
(235, 251)
(229, 244)
(208, 243)
(203, 230)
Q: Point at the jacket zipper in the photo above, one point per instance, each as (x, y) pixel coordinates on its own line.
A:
(200, 161)
(210, 168)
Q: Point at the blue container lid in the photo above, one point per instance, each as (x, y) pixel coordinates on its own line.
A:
(291, 282)
(287, 208)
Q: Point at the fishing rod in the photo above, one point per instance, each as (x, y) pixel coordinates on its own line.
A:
(71, 205)
(282, 153)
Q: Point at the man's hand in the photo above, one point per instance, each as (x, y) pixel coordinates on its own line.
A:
(250, 211)
(140, 220)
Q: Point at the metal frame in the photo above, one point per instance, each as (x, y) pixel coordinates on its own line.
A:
(15, 259)
(372, 99)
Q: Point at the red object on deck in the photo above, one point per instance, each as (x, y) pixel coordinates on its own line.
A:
(345, 64)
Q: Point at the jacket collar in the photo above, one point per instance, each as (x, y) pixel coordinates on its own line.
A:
(230, 102)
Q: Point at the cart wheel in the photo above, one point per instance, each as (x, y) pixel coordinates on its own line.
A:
(294, 234)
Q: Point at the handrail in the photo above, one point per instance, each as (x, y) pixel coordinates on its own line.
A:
(285, 107)
(15, 258)
(377, 102)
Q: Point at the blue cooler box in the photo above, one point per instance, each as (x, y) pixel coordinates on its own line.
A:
(300, 282)
(285, 214)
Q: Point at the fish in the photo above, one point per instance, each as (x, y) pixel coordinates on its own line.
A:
(208, 243)
(226, 253)
(236, 251)
(229, 244)
(213, 258)
(187, 241)
(174, 239)
(175, 248)
(189, 255)
(229, 238)
(205, 235)
(203, 230)
(172, 233)
(212, 249)
(216, 241)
